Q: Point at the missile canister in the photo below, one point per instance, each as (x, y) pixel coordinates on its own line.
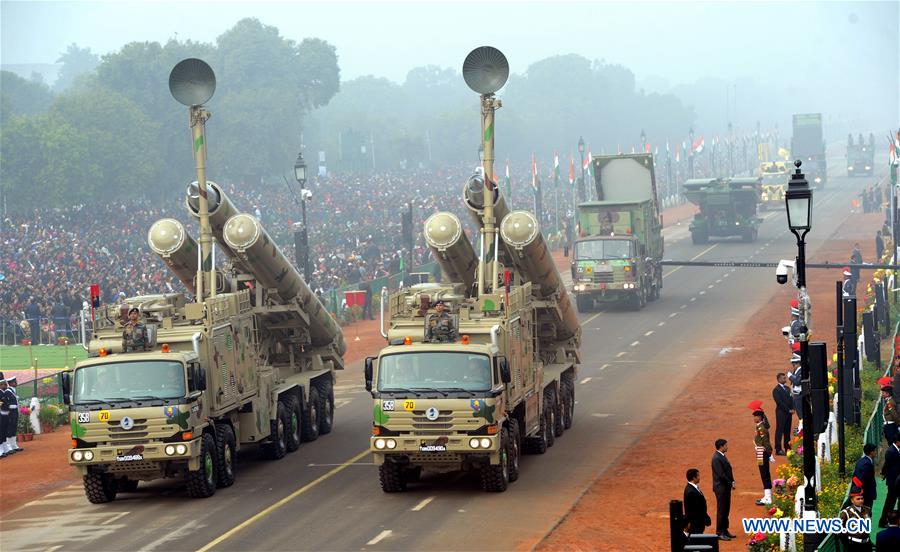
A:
(451, 248)
(169, 239)
(521, 232)
(220, 210)
(258, 253)
(473, 195)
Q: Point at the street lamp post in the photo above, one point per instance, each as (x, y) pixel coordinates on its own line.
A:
(730, 150)
(581, 183)
(691, 151)
(798, 200)
(303, 242)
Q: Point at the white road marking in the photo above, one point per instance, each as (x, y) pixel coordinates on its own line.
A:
(587, 379)
(314, 465)
(598, 415)
(604, 367)
(719, 281)
(646, 334)
(115, 517)
(620, 355)
(422, 504)
(693, 299)
(661, 324)
(710, 286)
(53, 548)
(725, 275)
(341, 402)
(381, 536)
(673, 315)
(683, 307)
(635, 344)
(702, 292)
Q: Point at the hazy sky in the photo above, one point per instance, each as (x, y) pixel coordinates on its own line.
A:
(678, 41)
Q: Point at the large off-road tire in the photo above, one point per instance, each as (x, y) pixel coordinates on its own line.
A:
(539, 443)
(515, 450)
(126, 485)
(391, 476)
(585, 303)
(495, 478)
(294, 420)
(556, 400)
(326, 419)
(747, 235)
(638, 301)
(568, 401)
(699, 237)
(311, 415)
(550, 414)
(276, 448)
(226, 456)
(202, 483)
(100, 488)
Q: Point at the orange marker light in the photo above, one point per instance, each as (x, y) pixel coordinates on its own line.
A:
(102, 352)
(465, 340)
(165, 348)
(74, 443)
(376, 430)
(186, 435)
(407, 340)
(492, 429)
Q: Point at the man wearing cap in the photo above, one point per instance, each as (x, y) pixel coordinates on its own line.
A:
(723, 484)
(890, 472)
(134, 334)
(796, 377)
(4, 417)
(848, 289)
(783, 408)
(890, 413)
(763, 444)
(440, 325)
(9, 412)
(856, 510)
(795, 325)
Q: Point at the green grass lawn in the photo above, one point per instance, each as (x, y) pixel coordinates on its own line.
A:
(47, 356)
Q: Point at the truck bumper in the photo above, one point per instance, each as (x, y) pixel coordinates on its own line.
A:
(607, 292)
(143, 459)
(454, 454)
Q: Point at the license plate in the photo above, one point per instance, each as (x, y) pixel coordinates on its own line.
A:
(130, 458)
(433, 448)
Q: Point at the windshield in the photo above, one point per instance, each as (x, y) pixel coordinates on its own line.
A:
(412, 371)
(603, 249)
(118, 381)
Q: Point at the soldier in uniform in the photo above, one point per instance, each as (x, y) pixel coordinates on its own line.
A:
(763, 444)
(796, 378)
(891, 414)
(848, 288)
(440, 325)
(9, 419)
(4, 417)
(134, 335)
(856, 510)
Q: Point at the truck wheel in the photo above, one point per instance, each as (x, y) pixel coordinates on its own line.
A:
(276, 448)
(391, 476)
(747, 236)
(311, 416)
(127, 485)
(326, 423)
(550, 414)
(515, 450)
(225, 449)
(637, 301)
(699, 237)
(495, 478)
(568, 390)
(292, 435)
(539, 443)
(557, 402)
(100, 488)
(202, 483)
(585, 303)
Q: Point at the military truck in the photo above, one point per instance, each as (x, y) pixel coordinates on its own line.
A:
(727, 207)
(774, 175)
(808, 144)
(250, 361)
(860, 156)
(619, 244)
(501, 381)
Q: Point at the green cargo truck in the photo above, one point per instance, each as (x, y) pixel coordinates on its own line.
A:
(727, 207)
(808, 144)
(860, 156)
(616, 255)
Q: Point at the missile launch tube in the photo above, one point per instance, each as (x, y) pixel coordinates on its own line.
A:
(521, 232)
(169, 239)
(473, 195)
(258, 253)
(451, 248)
(220, 210)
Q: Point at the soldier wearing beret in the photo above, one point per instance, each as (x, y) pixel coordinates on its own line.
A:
(440, 325)
(891, 415)
(763, 445)
(856, 510)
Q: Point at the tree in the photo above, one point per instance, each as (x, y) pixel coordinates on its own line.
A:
(22, 97)
(75, 62)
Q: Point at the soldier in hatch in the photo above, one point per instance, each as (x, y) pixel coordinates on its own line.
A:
(134, 335)
(440, 325)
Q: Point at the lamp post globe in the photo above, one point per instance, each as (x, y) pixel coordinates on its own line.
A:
(580, 144)
(301, 237)
(798, 199)
(300, 170)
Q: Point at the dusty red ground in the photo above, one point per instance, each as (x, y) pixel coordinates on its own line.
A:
(42, 468)
(627, 507)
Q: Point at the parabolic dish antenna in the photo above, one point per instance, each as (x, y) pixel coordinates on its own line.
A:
(192, 82)
(485, 70)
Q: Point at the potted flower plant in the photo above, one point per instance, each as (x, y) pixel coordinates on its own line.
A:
(23, 427)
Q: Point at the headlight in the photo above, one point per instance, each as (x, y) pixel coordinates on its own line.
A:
(180, 449)
(88, 455)
(77, 456)
(380, 443)
(473, 443)
(391, 444)
(170, 450)
(868, 167)
(485, 442)
(818, 179)
(850, 168)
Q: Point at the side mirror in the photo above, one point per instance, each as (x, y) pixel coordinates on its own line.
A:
(505, 376)
(368, 373)
(66, 381)
(198, 375)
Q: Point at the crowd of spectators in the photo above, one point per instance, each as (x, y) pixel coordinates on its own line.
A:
(50, 257)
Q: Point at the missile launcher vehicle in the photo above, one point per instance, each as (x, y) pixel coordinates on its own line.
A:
(727, 207)
(176, 387)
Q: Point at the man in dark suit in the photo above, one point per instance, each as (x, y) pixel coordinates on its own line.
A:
(890, 471)
(784, 405)
(889, 539)
(865, 472)
(695, 503)
(723, 484)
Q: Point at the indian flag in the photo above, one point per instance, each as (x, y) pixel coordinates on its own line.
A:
(571, 170)
(698, 145)
(555, 166)
(533, 172)
(507, 176)
(587, 164)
